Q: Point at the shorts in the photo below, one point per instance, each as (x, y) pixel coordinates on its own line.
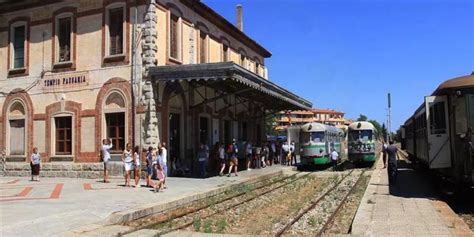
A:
(128, 166)
(222, 161)
(105, 165)
(234, 161)
(149, 170)
(249, 157)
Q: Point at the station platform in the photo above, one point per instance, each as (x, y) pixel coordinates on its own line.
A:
(87, 207)
(411, 207)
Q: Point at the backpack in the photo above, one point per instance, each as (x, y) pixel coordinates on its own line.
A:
(234, 149)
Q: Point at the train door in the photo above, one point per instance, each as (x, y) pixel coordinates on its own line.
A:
(439, 154)
(471, 124)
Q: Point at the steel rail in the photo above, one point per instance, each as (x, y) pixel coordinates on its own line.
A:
(233, 206)
(208, 205)
(333, 215)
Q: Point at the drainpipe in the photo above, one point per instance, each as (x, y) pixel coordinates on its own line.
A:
(132, 69)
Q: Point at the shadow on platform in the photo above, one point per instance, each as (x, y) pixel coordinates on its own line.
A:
(412, 183)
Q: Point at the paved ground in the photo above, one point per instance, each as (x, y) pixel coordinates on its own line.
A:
(55, 205)
(409, 208)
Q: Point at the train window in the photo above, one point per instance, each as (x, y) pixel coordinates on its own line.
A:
(305, 137)
(366, 135)
(437, 118)
(460, 115)
(353, 135)
(317, 136)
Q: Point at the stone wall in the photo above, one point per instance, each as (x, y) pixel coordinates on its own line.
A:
(68, 170)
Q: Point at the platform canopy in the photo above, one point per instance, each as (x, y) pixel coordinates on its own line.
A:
(232, 79)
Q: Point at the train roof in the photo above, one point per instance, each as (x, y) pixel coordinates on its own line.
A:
(462, 84)
(361, 125)
(458, 83)
(313, 127)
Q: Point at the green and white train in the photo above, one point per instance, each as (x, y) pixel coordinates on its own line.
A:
(315, 141)
(361, 142)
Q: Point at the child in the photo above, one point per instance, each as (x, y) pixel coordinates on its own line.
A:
(128, 163)
(160, 175)
(136, 165)
(149, 166)
(35, 161)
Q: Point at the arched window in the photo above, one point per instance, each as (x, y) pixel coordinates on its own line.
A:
(16, 128)
(203, 42)
(64, 25)
(243, 57)
(225, 49)
(18, 46)
(175, 32)
(115, 116)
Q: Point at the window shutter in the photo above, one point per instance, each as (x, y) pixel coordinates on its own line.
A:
(19, 47)
(174, 37)
(116, 31)
(64, 38)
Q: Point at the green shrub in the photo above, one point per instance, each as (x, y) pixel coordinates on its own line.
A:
(208, 226)
(197, 223)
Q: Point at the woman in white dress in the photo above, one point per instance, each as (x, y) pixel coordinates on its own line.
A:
(127, 163)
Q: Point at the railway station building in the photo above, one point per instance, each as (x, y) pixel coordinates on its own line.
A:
(73, 72)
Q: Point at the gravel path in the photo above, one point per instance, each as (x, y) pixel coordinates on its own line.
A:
(314, 220)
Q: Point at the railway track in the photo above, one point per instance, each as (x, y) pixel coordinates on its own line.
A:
(289, 227)
(187, 219)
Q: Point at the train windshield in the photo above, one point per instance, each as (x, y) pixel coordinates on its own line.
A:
(317, 136)
(353, 135)
(364, 135)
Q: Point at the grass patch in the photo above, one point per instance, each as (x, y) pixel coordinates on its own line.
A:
(296, 205)
(312, 221)
(208, 226)
(221, 224)
(197, 223)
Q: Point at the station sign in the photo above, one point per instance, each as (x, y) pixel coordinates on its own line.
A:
(58, 82)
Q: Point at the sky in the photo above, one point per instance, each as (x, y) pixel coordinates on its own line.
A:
(348, 54)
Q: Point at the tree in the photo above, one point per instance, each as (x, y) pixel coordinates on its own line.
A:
(362, 118)
(270, 124)
(378, 128)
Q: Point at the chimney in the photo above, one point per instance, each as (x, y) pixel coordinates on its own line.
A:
(240, 24)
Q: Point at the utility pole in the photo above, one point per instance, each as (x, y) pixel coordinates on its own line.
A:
(389, 125)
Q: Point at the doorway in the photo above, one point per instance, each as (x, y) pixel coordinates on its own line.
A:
(227, 132)
(203, 130)
(115, 123)
(174, 137)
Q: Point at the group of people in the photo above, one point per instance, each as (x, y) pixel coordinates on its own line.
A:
(258, 155)
(155, 162)
(261, 155)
